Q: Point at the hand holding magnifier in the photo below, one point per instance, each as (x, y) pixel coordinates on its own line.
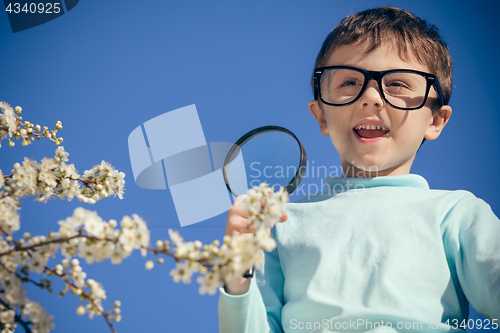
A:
(268, 154)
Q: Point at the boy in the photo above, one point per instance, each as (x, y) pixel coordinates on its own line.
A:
(379, 250)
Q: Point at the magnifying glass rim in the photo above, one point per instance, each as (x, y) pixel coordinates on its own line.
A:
(292, 185)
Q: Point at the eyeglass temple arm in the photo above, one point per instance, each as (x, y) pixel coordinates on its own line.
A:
(315, 86)
(437, 86)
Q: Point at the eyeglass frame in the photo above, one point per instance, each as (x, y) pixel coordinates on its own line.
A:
(431, 79)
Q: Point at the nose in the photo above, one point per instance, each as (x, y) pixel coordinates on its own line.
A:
(371, 96)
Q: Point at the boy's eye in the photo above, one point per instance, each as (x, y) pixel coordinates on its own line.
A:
(397, 84)
(349, 82)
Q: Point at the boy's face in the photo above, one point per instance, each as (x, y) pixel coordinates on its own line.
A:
(393, 152)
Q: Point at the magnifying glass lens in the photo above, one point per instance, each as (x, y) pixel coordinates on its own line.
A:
(269, 156)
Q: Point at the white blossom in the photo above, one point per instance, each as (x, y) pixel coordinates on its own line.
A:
(209, 283)
(88, 236)
(183, 272)
(7, 119)
(265, 213)
(94, 225)
(14, 293)
(2, 179)
(9, 219)
(24, 178)
(41, 322)
(108, 182)
(7, 316)
(61, 154)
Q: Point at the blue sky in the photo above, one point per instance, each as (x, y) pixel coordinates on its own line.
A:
(106, 67)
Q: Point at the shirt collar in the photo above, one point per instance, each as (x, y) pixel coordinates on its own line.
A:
(343, 184)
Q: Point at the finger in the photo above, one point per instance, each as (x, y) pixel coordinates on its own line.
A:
(240, 224)
(239, 210)
(239, 199)
(249, 229)
(284, 217)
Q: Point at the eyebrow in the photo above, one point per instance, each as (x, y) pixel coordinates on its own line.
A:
(382, 70)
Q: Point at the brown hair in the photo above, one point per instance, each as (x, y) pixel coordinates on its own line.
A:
(407, 32)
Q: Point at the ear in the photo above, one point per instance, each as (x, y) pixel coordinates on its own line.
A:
(438, 122)
(319, 115)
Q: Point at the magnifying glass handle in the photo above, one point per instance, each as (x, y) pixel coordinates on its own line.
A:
(249, 274)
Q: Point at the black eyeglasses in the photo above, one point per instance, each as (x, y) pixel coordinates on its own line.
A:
(403, 89)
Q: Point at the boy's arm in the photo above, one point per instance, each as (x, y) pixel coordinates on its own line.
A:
(259, 309)
(472, 241)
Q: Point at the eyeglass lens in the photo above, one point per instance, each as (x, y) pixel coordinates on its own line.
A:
(404, 90)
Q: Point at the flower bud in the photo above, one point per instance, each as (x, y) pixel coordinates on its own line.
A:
(113, 223)
(80, 310)
(149, 264)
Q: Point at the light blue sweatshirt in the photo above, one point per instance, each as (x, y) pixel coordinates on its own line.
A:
(375, 254)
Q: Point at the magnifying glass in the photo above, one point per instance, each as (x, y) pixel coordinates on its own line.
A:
(268, 154)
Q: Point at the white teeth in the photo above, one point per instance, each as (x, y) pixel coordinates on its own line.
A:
(371, 127)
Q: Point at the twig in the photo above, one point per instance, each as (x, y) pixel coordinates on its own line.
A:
(84, 294)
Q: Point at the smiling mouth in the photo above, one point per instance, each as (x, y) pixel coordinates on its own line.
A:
(370, 131)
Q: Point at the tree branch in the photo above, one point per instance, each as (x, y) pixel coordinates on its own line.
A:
(18, 318)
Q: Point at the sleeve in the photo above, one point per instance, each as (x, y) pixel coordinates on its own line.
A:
(258, 310)
(472, 241)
